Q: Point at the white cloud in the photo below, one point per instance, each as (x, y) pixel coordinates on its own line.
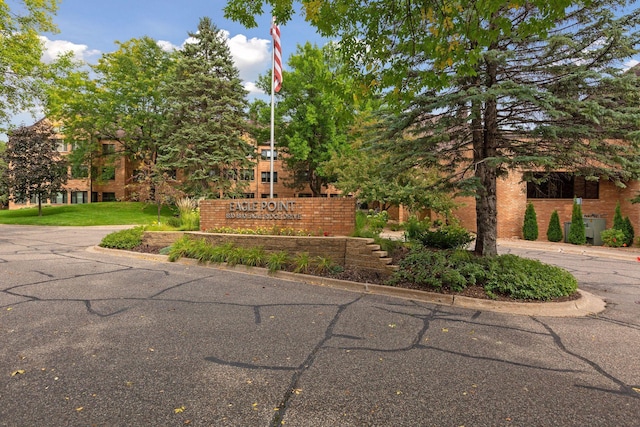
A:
(253, 89)
(167, 46)
(54, 48)
(251, 56)
(630, 64)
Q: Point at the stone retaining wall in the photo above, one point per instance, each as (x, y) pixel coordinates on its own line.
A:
(354, 252)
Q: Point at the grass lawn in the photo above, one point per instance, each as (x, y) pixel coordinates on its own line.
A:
(106, 213)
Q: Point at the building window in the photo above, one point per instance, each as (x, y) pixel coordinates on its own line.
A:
(33, 199)
(247, 175)
(108, 148)
(266, 176)
(108, 197)
(60, 198)
(266, 154)
(266, 196)
(78, 197)
(305, 195)
(561, 185)
(249, 195)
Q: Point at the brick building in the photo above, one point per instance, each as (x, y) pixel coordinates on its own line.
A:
(599, 199)
(107, 179)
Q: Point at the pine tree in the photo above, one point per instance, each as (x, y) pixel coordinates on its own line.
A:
(206, 120)
(624, 225)
(618, 221)
(519, 85)
(629, 232)
(554, 232)
(530, 226)
(577, 234)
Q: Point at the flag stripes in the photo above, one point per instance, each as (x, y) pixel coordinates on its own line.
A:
(277, 56)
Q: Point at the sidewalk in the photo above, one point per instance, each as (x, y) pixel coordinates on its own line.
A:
(624, 254)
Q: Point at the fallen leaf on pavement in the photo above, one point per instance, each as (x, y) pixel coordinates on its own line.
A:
(18, 372)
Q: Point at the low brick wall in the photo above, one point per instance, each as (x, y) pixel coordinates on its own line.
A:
(354, 252)
(319, 216)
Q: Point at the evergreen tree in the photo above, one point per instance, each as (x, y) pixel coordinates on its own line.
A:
(206, 120)
(34, 167)
(517, 84)
(554, 231)
(618, 221)
(530, 226)
(624, 225)
(577, 234)
(629, 232)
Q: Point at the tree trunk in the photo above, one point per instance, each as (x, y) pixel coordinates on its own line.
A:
(484, 153)
(315, 183)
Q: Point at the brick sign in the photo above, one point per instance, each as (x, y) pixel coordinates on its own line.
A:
(328, 216)
(265, 210)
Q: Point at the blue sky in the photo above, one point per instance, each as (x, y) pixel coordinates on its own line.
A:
(90, 28)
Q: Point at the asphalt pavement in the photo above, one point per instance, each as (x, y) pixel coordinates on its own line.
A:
(89, 338)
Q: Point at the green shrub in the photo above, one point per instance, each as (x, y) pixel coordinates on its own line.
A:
(523, 278)
(446, 237)
(629, 232)
(325, 265)
(302, 262)
(577, 234)
(450, 269)
(618, 221)
(530, 226)
(554, 232)
(624, 225)
(174, 222)
(414, 228)
(506, 275)
(613, 238)
(370, 224)
(190, 221)
(255, 257)
(123, 239)
(277, 261)
(180, 248)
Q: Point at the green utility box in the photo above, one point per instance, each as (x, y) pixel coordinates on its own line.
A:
(593, 226)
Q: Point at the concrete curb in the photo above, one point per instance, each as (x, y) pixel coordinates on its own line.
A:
(587, 304)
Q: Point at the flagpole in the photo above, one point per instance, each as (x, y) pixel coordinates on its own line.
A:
(273, 61)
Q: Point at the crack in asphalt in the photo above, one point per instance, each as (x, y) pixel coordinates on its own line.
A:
(426, 316)
(624, 388)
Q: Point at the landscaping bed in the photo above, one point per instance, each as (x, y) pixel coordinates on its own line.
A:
(452, 272)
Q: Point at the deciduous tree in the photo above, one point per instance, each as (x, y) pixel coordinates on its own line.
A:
(34, 167)
(315, 109)
(21, 22)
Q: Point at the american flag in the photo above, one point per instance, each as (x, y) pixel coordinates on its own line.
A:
(277, 56)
